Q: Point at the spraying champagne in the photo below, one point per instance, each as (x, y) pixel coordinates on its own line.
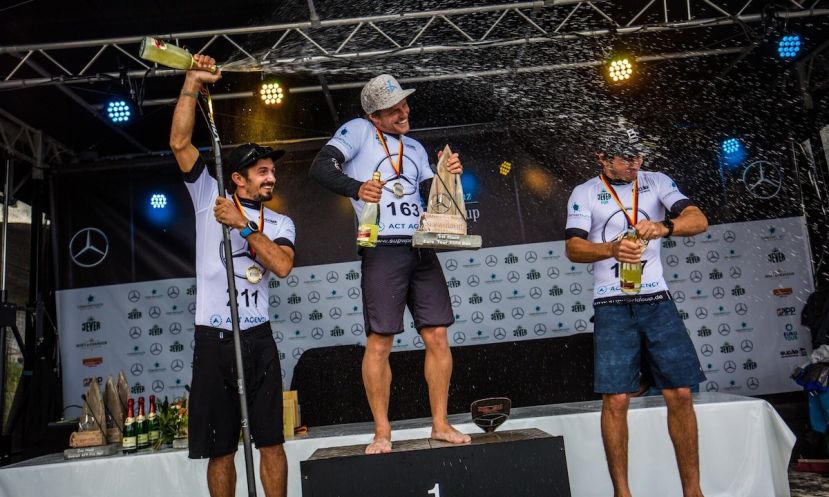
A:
(167, 55)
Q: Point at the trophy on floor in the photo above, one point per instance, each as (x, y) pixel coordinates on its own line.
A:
(490, 413)
(443, 225)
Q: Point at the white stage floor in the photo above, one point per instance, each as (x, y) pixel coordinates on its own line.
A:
(744, 451)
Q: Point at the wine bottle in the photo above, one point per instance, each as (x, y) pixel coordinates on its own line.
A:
(369, 224)
(142, 437)
(154, 428)
(630, 273)
(167, 55)
(129, 440)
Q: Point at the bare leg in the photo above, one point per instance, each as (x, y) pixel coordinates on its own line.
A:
(377, 382)
(615, 438)
(682, 425)
(221, 476)
(273, 467)
(438, 371)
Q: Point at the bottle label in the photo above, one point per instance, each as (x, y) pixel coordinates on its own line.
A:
(129, 442)
(154, 435)
(367, 235)
(143, 439)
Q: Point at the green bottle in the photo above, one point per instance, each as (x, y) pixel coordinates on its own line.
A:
(369, 225)
(143, 438)
(129, 440)
(154, 428)
(630, 274)
(167, 55)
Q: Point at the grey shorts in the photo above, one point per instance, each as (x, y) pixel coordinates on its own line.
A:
(394, 277)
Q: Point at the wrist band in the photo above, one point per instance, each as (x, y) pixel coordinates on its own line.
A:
(193, 94)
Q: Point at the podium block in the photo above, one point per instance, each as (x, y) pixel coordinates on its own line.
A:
(516, 463)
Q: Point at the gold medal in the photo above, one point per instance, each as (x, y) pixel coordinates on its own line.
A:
(253, 274)
(397, 189)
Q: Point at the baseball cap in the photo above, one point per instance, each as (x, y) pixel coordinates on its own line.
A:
(247, 154)
(382, 92)
(621, 138)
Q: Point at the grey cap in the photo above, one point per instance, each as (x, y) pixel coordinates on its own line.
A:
(382, 92)
(621, 138)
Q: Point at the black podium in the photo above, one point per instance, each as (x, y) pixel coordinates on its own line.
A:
(514, 463)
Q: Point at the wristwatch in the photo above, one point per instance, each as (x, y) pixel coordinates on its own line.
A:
(252, 227)
(670, 225)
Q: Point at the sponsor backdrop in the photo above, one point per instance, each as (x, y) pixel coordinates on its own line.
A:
(739, 287)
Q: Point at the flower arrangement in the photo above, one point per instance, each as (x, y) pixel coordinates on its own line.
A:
(172, 418)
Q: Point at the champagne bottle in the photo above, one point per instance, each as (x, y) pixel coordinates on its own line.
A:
(142, 437)
(129, 440)
(630, 274)
(369, 224)
(154, 428)
(162, 53)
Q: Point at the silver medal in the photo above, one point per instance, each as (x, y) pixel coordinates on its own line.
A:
(397, 189)
(253, 274)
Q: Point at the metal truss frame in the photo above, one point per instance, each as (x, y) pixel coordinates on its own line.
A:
(25, 143)
(317, 49)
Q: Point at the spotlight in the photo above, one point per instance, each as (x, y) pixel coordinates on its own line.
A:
(505, 168)
(730, 146)
(119, 111)
(620, 68)
(733, 151)
(158, 201)
(271, 93)
(788, 46)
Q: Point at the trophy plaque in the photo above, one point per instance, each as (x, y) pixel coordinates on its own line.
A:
(490, 413)
(443, 225)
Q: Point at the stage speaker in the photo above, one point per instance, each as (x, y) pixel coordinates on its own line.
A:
(516, 463)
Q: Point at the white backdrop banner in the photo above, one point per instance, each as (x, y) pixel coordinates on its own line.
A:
(739, 287)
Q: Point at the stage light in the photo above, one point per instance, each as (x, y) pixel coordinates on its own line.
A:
(505, 168)
(271, 93)
(158, 201)
(733, 152)
(730, 146)
(119, 111)
(788, 46)
(620, 69)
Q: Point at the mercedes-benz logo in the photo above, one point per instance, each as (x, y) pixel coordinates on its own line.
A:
(175, 328)
(499, 333)
(354, 292)
(451, 265)
(274, 301)
(706, 350)
(530, 256)
(313, 297)
(293, 280)
(718, 292)
(459, 337)
(158, 386)
(701, 313)
(696, 276)
(295, 317)
(154, 312)
(477, 317)
(491, 260)
(473, 280)
(735, 272)
(763, 179)
(580, 325)
(297, 353)
(177, 365)
(136, 369)
(317, 333)
(575, 288)
(417, 342)
(590, 268)
(724, 329)
(495, 296)
(752, 383)
(672, 260)
(517, 313)
(278, 336)
(456, 301)
(134, 296)
(558, 309)
(335, 313)
(191, 307)
(746, 345)
(332, 277)
(679, 296)
(712, 386)
(729, 236)
(156, 348)
(540, 329)
(552, 272)
(88, 247)
(440, 203)
(713, 256)
(689, 241)
(172, 292)
(356, 329)
(535, 292)
(729, 366)
(741, 308)
(513, 276)
(135, 332)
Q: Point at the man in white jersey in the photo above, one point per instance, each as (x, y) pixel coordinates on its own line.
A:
(645, 327)
(393, 274)
(262, 241)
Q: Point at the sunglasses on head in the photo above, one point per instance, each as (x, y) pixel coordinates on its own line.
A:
(251, 155)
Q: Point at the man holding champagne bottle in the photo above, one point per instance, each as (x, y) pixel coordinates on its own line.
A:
(394, 274)
(610, 220)
(262, 241)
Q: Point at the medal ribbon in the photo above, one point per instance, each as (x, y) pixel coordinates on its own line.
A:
(399, 166)
(635, 193)
(261, 220)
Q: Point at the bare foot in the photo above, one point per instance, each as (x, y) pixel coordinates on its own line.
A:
(451, 435)
(379, 445)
